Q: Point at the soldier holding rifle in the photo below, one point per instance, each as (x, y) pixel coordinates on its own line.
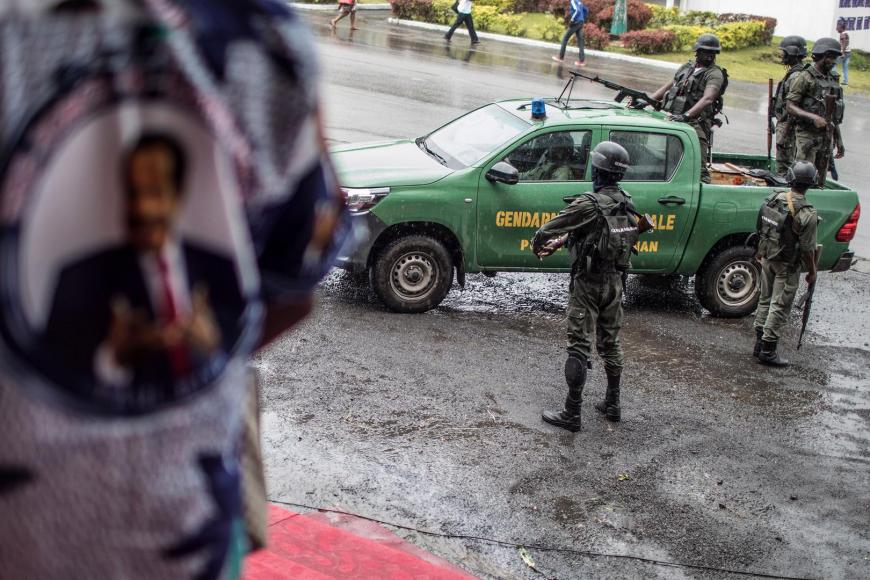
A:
(817, 129)
(787, 238)
(794, 50)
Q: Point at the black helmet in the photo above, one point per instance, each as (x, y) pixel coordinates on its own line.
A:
(708, 42)
(802, 173)
(560, 146)
(794, 46)
(610, 157)
(826, 45)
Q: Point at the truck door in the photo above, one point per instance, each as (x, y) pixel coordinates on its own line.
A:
(552, 164)
(661, 183)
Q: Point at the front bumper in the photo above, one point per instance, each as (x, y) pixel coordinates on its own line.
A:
(367, 229)
(844, 262)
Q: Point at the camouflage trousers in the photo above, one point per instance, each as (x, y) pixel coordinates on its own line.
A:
(785, 149)
(704, 134)
(779, 285)
(595, 316)
(814, 146)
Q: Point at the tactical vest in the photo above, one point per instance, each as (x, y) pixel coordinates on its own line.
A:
(606, 247)
(688, 88)
(775, 227)
(779, 103)
(814, 100)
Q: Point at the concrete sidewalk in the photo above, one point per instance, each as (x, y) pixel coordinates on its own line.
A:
(491, 36)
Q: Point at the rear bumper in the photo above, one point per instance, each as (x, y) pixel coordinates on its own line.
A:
(844, 262)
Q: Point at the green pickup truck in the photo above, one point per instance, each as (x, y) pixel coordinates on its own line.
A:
(468, 196)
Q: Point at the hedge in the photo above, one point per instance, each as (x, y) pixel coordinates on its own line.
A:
(594, 37)
(639, 15)
(732, 36)
(650, 41)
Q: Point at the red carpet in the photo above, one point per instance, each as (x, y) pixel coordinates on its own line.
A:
(320, 546)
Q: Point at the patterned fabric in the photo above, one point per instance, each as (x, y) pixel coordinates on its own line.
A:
(91, 492)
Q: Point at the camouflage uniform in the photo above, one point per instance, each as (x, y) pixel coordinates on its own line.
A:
(807, 91)
(690, 83)
(781, 267)
(596, 296)
(785, 124)
(549, 171)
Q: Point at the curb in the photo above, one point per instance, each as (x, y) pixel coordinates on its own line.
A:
(536, 43)
(333, 7)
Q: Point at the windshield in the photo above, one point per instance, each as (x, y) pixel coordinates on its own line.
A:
(472, 137)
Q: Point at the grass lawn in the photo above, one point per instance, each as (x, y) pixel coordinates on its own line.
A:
(757, 64)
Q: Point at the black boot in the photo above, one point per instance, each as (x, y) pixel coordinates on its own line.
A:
(768, 355)
(575, 376)
(759, 332)
(610, 405)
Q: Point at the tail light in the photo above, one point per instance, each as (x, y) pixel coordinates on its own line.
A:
(847, 232)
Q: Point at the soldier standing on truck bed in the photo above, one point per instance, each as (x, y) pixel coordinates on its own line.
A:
(794, 51)
(694, 96)
(787, 238)
(600, 230)
(805, 101)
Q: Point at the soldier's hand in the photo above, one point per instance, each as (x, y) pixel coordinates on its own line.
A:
(811, 278)
(679, 118)
(841, 151)
(819, 122)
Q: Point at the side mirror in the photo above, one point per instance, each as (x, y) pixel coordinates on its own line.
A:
(503, 172)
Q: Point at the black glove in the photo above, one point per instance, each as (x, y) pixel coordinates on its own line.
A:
(681, 118)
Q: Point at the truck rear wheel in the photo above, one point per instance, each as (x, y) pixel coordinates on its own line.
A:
(728, 284)
(412, 274)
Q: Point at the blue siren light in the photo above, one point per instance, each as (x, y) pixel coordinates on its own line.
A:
(538, 109)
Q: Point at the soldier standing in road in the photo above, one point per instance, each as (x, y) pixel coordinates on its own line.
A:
(805, 102)
(600, 230)
(794, 50)
(787, 239)
(694, 96)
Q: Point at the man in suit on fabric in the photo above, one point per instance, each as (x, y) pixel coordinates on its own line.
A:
(149, 312)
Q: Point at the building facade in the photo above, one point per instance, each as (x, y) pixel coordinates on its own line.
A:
(811, 19)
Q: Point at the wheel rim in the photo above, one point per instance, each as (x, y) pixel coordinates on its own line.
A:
(737, 284)
(413, 276)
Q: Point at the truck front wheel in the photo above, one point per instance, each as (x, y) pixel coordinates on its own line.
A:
(728, 284)
(412, 274)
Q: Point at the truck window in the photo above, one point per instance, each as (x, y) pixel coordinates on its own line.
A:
(472, 137)
(559, 156)
(654, 156)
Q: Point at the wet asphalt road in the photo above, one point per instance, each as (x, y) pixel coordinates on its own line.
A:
(433, 420)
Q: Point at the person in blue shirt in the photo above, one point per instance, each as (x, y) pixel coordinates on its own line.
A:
(579, 11)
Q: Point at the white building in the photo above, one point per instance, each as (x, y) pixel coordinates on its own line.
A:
(812, 19)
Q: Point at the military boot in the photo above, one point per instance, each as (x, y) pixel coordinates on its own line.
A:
(759, 332)
(609, 407)
(575, 376)
(768, 355)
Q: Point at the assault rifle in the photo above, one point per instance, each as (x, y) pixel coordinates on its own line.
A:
(641, 98)
(830, 109)
(770, 115)
(806, 301)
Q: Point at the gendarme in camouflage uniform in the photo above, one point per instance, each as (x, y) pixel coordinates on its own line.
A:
(806, 104)
(787, 233)
(595, 302)
(794, 50)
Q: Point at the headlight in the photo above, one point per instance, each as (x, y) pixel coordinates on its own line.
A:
(361, 200)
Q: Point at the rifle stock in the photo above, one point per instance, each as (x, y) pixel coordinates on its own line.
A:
(770, 115)
(806, 301)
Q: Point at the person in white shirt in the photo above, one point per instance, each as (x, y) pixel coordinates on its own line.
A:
(463, 14)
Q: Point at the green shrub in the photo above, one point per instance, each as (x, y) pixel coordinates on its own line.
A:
(859, 60)
(734, 35)
(662, 17)
(553, 29)
(442, 12)
(686, 35)
(503, 6)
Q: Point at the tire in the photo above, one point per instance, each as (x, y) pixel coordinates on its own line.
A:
(412, 274)
(728, 283)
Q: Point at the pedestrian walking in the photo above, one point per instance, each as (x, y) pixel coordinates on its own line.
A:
(794, 50)
(599, 228)
(463, 15)
(815, 137)
(176, 222)
(787, 244)
(345, 8)
(845, 51)
(694, 96)
(576, 21)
